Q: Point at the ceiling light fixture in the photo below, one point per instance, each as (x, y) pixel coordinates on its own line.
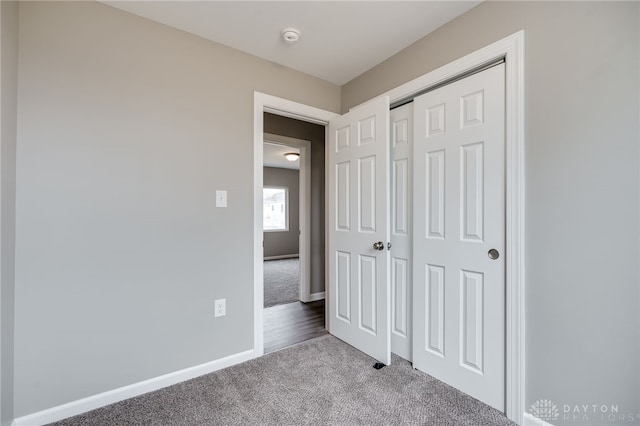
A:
(290, 35)
(292, 156)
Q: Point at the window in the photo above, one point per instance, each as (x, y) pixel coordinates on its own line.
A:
(275, 209)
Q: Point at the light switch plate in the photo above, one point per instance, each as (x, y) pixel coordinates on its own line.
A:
(221, 198)
(220, 308)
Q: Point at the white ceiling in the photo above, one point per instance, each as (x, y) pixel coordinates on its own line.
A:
(340, 40)
(273, 156)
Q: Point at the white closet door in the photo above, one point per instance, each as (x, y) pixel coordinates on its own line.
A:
(359, 219)
(459, 230)
(401, 213)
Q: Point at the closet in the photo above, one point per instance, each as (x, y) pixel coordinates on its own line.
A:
(417, 232)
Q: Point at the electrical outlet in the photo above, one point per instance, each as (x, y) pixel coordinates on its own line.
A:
(220, 307)
(221, 198)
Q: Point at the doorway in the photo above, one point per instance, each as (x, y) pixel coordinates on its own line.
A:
(293, 215)
(285, 220)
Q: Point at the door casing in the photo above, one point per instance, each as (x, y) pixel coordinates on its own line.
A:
(510, 48)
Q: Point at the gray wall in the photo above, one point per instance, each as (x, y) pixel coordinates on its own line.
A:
(126, 128)
(284, 242)
(582, 166)
(284, 126)
(8, 111)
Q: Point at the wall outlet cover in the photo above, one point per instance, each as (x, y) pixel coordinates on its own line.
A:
(221, 198)
(220, 308)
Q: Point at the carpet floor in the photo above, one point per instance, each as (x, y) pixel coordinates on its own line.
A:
(281, 281)
(319, 382)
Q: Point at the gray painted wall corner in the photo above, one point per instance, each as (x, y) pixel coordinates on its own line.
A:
(8, 120)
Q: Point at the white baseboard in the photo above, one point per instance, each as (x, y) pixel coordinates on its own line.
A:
(282, 256)
(83, 405)
(316, 296)
(531, 420)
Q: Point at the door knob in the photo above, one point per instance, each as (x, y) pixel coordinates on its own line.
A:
(378, 246)
(493, 254)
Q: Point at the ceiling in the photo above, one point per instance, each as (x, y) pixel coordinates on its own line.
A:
(339, 40)
(273, 156)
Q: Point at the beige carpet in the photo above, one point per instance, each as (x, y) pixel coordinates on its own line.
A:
(281, 281)
(319, 382)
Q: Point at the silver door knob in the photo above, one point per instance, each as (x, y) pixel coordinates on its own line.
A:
(378, 246)
(493, 254)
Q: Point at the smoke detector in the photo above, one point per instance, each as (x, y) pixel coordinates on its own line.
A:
(290, 35)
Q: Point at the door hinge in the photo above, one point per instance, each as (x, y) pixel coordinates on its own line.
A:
(388, 246)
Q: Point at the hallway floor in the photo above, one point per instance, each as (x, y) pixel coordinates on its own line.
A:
(286, 325)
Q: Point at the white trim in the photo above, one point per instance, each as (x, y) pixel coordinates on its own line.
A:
(282, 256)
(316, 296)
(83, 405)
(304, 215)
(267, 103)
(531, 420)
(297, 116)
(515, 227)
(327, 170)
(258, 236)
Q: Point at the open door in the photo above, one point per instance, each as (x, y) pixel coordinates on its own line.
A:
(358, 167)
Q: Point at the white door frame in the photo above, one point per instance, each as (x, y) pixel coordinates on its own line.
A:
(512, 49)
(304, 214)
(266, 103)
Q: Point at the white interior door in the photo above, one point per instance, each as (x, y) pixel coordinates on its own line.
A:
(358, 167)
(459, 198)
(401, 231)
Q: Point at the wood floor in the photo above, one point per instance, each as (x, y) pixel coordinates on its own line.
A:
(286, 325)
